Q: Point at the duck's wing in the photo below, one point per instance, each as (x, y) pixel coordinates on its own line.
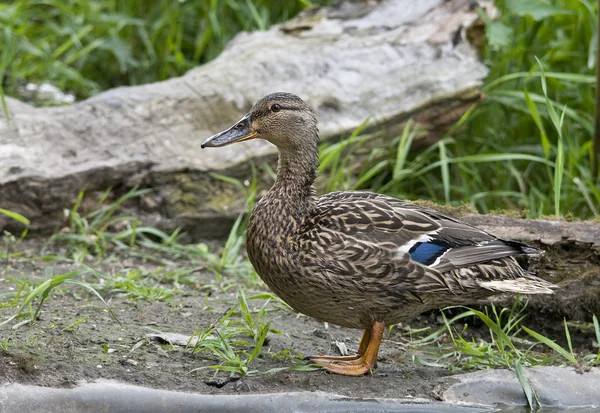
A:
(365, 232)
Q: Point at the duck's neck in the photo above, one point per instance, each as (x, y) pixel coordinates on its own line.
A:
(297, 170)
(293, 192)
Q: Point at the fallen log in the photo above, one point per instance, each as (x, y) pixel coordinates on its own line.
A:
(386, 60)
(543, 232)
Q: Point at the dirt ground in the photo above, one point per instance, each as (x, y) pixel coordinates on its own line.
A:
(45, 354)
(48, 354)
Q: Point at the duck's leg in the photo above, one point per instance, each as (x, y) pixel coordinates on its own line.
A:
(363, 364)
(362, 347)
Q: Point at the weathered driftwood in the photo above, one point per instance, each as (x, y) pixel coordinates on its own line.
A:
(538, 231)
(388, 60)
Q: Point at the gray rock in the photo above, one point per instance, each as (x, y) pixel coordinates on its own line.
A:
(555, 387)
(111, 397)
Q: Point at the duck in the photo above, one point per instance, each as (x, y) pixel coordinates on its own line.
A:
(360, 259)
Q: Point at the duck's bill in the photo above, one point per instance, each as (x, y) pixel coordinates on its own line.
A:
(239, 132)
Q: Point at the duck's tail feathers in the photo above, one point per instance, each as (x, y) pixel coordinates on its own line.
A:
(523, 248)
(523, 285)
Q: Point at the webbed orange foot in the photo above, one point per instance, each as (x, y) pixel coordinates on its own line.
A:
(347, 369)
(361, 363)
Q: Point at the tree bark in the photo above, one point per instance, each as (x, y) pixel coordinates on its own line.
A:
(386, 60)
(538, 231)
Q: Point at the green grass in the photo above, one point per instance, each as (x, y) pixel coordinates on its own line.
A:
(99, 232)
(89, 46)
(40, 292)
(234, 341)
(238, 337)
(510, 343)
(10, 241)
(103, 234)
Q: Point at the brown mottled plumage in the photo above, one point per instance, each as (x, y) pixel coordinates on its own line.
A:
(360, 259)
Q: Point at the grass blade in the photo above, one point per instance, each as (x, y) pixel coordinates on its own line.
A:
(568, 336)
(503, 339)
(406, 139)
(16, 216)
(535, 115)
(545, 340)
(41, 292)
(97, 294)
(525, 384)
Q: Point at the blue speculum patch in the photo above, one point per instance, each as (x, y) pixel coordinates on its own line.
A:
(427, 252)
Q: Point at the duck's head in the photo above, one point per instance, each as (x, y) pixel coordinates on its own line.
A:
(281, 118)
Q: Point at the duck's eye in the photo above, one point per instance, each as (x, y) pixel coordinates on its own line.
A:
(275, 108)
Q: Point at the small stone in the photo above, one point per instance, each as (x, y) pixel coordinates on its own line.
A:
(342, 347)
(320, 333)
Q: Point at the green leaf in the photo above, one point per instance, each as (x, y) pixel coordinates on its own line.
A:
(560, 151)
(259, 344)
(97, 294)
(537, 9)
(16, 216)
(41, 292)
(76, 323)
(502, 338)
(371, 173)
(498, 34)
(535, 115)
(568, 335)
(525, 384)
(545, 340)
(406, 139)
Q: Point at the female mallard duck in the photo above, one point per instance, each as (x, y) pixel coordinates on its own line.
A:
(360, 259)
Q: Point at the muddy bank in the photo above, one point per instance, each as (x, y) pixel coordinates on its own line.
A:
(77, 340)
(98, 348)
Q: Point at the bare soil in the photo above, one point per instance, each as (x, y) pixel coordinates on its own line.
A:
(98, 348)
(47, 354)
